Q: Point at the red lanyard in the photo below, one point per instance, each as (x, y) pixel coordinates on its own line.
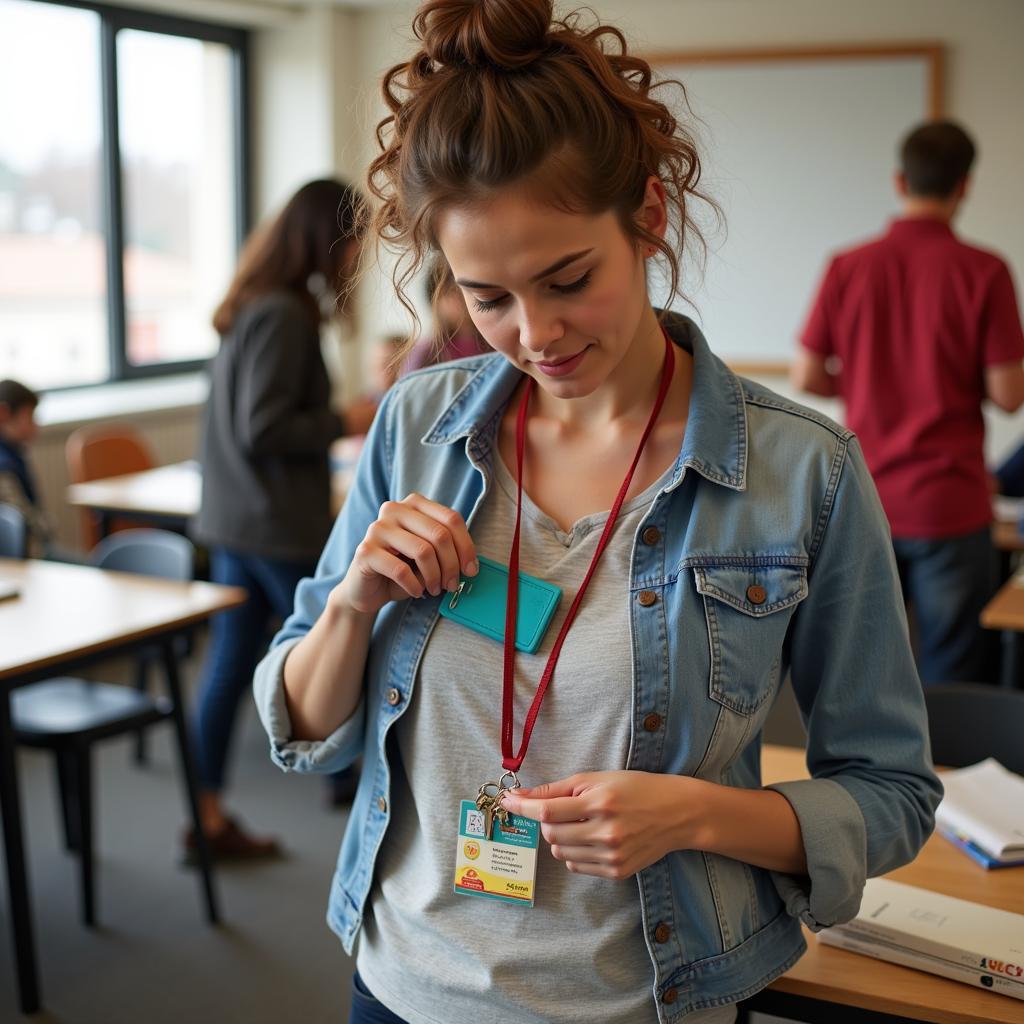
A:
(510, 761)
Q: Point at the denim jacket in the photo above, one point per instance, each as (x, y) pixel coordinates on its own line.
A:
(766, 553)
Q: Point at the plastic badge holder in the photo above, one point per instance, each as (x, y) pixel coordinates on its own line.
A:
(479, 604)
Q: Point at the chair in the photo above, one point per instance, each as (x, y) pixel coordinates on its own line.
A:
(13, 533)
(971, 721)
(68, 716)
(93, 453)
(149, 553)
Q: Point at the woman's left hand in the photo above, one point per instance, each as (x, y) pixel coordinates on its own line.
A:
(614, 824)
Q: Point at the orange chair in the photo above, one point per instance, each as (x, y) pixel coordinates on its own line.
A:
(93, 453)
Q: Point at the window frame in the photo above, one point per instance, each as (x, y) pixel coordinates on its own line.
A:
(111, 21)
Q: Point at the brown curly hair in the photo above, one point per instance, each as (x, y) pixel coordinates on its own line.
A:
(501, 91)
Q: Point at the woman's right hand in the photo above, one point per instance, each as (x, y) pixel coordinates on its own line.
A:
(415, 547)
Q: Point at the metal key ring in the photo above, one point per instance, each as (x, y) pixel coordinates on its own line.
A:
(516, 784)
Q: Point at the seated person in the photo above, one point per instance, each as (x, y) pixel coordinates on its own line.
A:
(18, 488)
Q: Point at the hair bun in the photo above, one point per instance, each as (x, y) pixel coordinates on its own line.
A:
(503, 33)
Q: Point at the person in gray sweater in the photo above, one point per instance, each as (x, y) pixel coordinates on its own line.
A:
(266, 501)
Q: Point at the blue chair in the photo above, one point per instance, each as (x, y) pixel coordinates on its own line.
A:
(148, 553)
(68, 716)
(13, 533)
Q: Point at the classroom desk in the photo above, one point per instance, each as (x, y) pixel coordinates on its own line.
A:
(1006, 609)
(1006, 533)
(1006, 612)
(835, 986)
(169, 496)
(1006, 536)
(65, 618)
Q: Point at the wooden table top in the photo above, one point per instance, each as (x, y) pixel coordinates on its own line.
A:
(840, 976)
(1006, 609)
(64, 611)
(174, 491)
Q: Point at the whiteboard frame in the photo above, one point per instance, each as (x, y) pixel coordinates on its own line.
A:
(932, 53)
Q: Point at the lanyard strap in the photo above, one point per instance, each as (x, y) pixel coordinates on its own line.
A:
(510, 761)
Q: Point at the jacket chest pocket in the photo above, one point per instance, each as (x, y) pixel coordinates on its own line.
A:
(748, 611)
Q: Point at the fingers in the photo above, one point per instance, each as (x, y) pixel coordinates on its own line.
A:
(555, 809)
(561, 787)
(432, 537)
(379, 562)
(417, 550)
(573, 833)
(456, 526)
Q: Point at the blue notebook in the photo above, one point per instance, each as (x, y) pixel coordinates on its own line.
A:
(973, 850)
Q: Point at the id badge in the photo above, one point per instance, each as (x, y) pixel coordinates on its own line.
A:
(503, 867)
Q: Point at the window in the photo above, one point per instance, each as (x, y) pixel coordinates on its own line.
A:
(123, 193)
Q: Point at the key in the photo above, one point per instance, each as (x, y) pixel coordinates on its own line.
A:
(488, 803)
(499, 813)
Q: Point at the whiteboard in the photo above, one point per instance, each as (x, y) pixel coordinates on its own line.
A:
(800, 154)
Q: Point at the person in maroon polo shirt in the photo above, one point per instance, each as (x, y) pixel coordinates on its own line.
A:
(914, 331)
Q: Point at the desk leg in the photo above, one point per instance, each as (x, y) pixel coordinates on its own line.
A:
(188, 768)
(17, 869)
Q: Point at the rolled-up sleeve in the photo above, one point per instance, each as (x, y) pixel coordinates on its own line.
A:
(337, 751)
(870, 803)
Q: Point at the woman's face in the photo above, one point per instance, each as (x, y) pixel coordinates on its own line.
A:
(560, 295)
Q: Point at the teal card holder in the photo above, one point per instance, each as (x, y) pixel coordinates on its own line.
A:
(479, 604)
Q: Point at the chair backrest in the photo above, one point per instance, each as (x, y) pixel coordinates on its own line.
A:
(971, 721)
(93, 453)
(146, 552)
(96, 452)
(13, 533)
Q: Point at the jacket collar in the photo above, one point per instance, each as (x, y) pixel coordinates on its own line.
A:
(715, 444)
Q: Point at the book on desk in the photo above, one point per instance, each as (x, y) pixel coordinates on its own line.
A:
(957, 939)
(982, 812)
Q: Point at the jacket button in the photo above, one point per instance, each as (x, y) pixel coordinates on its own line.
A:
(651, 535)
(382, 805)
(393, 696)
(756, 594)
(647, 598)
(669, 996)
(662, 933)
(652, 722)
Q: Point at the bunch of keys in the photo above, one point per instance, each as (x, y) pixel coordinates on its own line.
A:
(489, 798)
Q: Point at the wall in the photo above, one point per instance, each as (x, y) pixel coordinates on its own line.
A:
(984, 89)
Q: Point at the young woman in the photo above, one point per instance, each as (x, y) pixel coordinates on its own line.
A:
(720, 536)
(266, 502)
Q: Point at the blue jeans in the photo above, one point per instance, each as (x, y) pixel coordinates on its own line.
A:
(366, 1009)
(947, 582)
(238, 639)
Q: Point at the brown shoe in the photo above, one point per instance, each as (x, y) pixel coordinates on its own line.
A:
(232, 843)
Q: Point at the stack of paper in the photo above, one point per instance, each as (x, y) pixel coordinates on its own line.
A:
(983, 813)
(965, 941)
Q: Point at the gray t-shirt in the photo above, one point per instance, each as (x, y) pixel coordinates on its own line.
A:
(579, 954)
